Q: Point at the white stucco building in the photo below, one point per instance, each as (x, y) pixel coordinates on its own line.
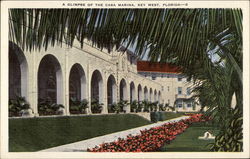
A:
(62, 72)
(176, 88)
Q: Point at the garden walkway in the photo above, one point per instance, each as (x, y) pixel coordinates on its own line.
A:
(90, 143)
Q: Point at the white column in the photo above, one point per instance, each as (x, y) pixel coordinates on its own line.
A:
(60, 87)
(114, 94)
(66, 73)
(104, 96)
(128, 98)
(88, 88)
(33, 83)
(118, 91)
(24, 80)
(135, 97)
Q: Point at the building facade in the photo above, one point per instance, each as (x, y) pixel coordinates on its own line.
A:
(61, 73)
(176, 88)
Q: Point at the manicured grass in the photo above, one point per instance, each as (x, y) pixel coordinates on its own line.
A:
(171, 115)
(189, 142)
(35, 134)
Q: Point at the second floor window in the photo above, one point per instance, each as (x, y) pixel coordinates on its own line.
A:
(179, 78)
(179, 90)
(153, 76)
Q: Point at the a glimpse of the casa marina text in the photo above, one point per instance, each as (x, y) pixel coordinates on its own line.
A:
(117, 4)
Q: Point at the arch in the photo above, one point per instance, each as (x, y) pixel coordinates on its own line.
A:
(159, 97)
(123, 90)
(18, 72)
(145, 93)
(155, 96)
(97, 86)
(111, 90)
(77, 82)
(132, 92)
(151, 95)
(50, 81)
(139, 93)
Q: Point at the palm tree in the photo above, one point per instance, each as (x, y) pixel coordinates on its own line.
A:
(166, 33)
(190, 38)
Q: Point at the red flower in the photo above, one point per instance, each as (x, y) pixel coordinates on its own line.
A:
(151, 139)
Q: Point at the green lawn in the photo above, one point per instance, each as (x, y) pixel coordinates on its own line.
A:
(34, 134)
(171, 115)
(189, 142)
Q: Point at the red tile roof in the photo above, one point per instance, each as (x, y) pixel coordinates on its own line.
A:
(147, 66)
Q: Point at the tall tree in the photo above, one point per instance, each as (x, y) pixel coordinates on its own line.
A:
(166, 33)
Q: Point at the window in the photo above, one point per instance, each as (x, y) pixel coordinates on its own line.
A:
(179, 79)
(168, 101)
(179, 103)
(168, 88)
(189, 105)
(162, 75)
(131, 60)
(188, 91)
(179, 90)
(153, 76)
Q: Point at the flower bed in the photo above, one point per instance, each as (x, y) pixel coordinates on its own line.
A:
(151, 139)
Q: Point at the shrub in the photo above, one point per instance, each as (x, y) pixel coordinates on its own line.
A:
(74, 109)
(122, 104)
(133, 105)
(146, 106)
(151, 107)
(162, 107)
(162, 116)
(140, 106)
(84, 105)
(96, 107)
(77, 106)
(48, 107)
(110, 108)
(154, 117)
(154, 104)
(115, 108)
(172, 108)
(16, 105)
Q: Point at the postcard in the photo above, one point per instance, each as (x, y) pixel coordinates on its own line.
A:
(124, 79)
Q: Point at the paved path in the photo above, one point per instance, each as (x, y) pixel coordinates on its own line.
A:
(90, 143)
